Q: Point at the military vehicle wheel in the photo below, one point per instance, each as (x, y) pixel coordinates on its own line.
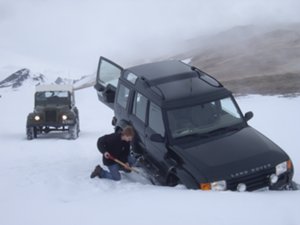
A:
(74, 131)
(31, 133)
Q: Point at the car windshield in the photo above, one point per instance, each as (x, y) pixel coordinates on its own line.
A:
(204, 120)
(52, 97)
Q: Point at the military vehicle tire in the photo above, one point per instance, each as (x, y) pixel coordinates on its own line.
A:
(74, 131)
(31, 133)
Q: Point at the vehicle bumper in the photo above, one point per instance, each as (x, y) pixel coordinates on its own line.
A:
(52, 125)
(262, 181)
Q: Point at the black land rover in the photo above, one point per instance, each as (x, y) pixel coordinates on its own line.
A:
(190, 129)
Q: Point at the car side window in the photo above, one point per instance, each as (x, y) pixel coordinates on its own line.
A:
(140, 106)
(156, 120)
(123, 95)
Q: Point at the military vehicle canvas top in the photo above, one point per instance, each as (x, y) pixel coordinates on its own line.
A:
(189, 128)
(54, 110)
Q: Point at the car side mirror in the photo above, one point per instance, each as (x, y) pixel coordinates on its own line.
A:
(248, 115)
(157, 138)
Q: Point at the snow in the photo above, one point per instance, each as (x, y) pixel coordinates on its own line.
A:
(46, 180)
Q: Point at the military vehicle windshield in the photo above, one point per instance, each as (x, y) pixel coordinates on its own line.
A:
(52, 97)
(204, 120)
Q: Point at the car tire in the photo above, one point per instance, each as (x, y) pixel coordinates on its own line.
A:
(31, 133)
(74, 131)
(172, 180)
(293, 186)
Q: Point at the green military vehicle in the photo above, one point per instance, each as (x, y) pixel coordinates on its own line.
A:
(54, 110)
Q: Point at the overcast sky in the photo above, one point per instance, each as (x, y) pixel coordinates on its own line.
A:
(70, 35)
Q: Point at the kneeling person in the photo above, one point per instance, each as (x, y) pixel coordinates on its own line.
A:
(115, 145)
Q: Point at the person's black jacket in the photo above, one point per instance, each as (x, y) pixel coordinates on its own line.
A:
(114, 145)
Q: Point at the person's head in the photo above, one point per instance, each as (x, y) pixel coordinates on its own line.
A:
(127, 133)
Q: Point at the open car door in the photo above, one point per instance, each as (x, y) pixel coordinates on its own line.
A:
(108, 74)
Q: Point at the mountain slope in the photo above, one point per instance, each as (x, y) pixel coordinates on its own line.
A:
(250, 52)
(21, 77)
(25, 76)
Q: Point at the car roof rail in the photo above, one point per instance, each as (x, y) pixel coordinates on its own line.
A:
(207, 78)
(194, 73)
(145, 81)
(151, 85)
(166, 79)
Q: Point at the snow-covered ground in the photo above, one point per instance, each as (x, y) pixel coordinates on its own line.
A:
(46, 180)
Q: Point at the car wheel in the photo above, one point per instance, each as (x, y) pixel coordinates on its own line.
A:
(172, 180)
(78, 126)
(74, 131)
(35, 132)
(135, 146)
(293, 186)
(31, 133)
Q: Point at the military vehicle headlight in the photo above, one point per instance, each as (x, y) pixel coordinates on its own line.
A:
(281, 168)
(64, 117)
(37, 117)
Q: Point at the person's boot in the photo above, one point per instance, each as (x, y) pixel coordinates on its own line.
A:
(96, 172)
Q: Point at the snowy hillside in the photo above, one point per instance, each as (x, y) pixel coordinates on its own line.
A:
(46, 180)
(247, 51)
(250, 59)
(25, 77)
(22, 77)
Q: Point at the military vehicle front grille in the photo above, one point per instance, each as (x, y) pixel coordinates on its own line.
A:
(253, 182)
(50, 116)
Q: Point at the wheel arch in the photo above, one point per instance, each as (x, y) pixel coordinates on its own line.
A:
(29, 119)
(121, 124)
(184, 177)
